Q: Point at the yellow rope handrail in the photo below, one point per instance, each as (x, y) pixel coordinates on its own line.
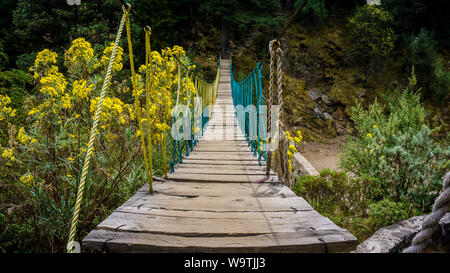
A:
(93, 134)
(208, 93)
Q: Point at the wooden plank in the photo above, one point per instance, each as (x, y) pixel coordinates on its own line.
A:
(223, 178)
(218, 171)
(304, 241)
(195, 189)
(222, 149)
(146, 201)
(222, 224)
(220, 162)
(229, 168)
(222, 156)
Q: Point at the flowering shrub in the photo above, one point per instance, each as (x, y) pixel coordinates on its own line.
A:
(397, 149)
(6, 110)
(41, 161)
(294, 142)
(371, 31)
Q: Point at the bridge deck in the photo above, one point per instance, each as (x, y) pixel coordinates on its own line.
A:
(212, 206)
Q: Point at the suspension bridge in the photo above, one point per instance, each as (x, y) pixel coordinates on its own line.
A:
(221, 194)
(210, 203)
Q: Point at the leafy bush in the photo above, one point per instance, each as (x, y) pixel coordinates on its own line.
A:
(315, 7)
(395, 146)
(387, 212)
(41, 161)
(371, 32)
(325, 192)
(422, 50)
(441, 82)
(353, 203)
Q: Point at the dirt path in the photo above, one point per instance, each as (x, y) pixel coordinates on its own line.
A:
(323, 155)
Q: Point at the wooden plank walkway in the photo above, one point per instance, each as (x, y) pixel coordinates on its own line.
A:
(211, 204)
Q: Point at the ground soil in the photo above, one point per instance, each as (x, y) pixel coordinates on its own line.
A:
(323, 155)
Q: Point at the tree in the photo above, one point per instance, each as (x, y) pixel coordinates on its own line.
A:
(316, 8)
(412, 15)
(240, 14)
(371, 32)
(53, 24)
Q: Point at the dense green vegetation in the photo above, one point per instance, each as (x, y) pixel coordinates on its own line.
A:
(359, 56)
(397, 167)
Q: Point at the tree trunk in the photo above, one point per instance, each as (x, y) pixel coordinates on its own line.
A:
(225, 39)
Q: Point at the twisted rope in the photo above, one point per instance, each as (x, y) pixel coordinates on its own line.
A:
(275, 52)
(279, 52)
(93, 134)
(269, 112)
(440, 207)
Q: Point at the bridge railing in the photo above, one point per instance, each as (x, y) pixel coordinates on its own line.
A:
(249, 105)
(195, 117)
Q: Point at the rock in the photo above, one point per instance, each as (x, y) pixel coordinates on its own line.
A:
(391, 238)
(315, 94)
(395, 238)
(340, 130)
(361, 94)
(326, 100)
(318, 113)
(327, 116)
(444, 225)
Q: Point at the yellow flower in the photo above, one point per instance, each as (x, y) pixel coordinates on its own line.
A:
(8, 153)
(111, 111)
(44, 64)
(369, 135)
(292, 148)
(23, 138)
(289, 154)
(80, 52)
(5, 110)
(374, 126)
(53, 84)
(104, 60)
(66, 102)
(80, 89)
(27, 179)
(70, 159)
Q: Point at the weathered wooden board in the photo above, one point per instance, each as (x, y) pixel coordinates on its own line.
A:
(131, 219)
(220, 162)
(195, 189)
(210, 204)
(303, 241)
(247, 203)
(222, 156)
(228, 168)
(223, 178)
(220, 171)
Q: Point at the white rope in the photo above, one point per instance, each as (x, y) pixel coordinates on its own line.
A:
(430, 224)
